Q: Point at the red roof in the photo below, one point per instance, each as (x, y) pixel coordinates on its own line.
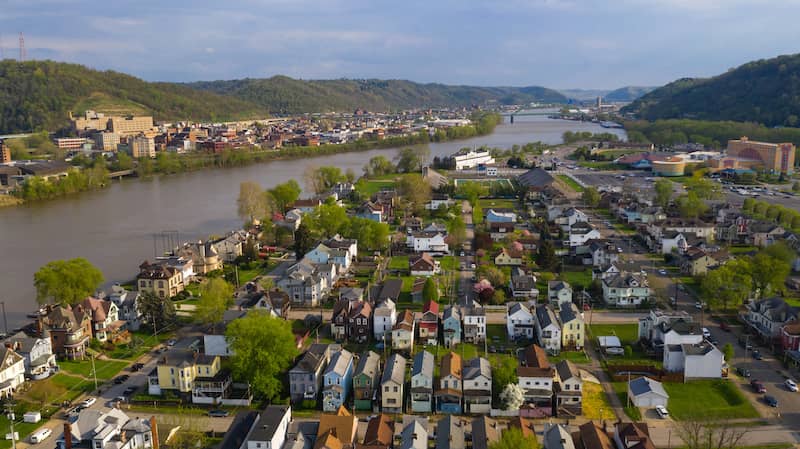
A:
(431, 306)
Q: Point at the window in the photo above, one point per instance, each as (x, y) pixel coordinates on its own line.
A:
(395, 389)
(566, 387)
(386, 388)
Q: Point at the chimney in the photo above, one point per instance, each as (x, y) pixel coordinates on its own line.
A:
(153, 430)
(67, 435)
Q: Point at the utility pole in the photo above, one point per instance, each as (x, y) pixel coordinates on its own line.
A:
(5, 318)
(11, 418)
(94, 372)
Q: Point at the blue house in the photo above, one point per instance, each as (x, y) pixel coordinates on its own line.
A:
(451, 325)
(337, 380)
(371, 211)
(449, 394)
(422, 382)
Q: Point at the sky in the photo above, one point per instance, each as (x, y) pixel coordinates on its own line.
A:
(552, 43)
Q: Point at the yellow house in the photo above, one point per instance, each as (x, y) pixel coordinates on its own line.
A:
(508, 257)
(178, 369)
(573, 329)
(160, 279)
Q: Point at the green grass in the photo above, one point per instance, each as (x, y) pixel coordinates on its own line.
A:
(22, 428)
(448, 263)
(369, 187)
(627, 333)
(621, 390)
(106, 369)
(398, 263)
(572, 356)
(736, 250)
(571, 183)
(605, 165)
(720, 400)
(141, 343)
(56, 389)
(578, 279)
(489, 203)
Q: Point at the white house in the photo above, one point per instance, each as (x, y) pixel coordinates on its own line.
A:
(493, 216)
(580, 233)
(519, 320)
(12, 372)
(696, 361)
(673, 241)
(270, 428)
(647, 392)
(548, 330)
(438, 200)
(625, 290)
(767, 316)
(559, 292)
(569, 217)
(384, 318)
(474, 318)
(536, 376)
(429, 242)
(322, 254)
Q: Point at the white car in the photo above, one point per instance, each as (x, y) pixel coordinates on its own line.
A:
(615, 350)
(790, 385)
(662, 272)
(88, 402)
(706, 333)
(698, 305)
(662, 411)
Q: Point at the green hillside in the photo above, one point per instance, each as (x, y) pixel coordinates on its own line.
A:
(38, 95)
(284, 95)
(765, 91)
(627, 93)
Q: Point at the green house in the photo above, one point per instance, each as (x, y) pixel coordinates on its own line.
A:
(366, 380)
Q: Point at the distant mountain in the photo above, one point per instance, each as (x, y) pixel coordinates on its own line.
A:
(39, 95)
(281, 94)
(584, 94)
(627, 93)
(765, 91)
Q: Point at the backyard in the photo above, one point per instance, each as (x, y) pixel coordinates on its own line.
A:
(720, 400)
(595, 402)
(106, 369)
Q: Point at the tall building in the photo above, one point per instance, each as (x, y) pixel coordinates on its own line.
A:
(775, 157)
(106, 141)
(5, 153)
(70, 143)
(142, 146)
(131, 125)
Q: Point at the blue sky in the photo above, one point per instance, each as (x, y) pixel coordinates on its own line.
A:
(553, 43)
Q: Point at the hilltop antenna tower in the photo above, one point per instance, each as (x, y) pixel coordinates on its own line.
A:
(22, 53)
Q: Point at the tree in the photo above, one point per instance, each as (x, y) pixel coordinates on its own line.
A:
(768, 273)
(709, 434)
(411, 160)
(512, 397)
(504, 372)
(663, 188)
(704, 188)
(251, 202)
(263, 348)
(415, 190)
(729, 353)
(66, 281)
(249, 250)
(494, 275)
(430, 291)
(370, 234)
(472, 191)
(379, 166)
(748, 205)
(156, 312)
(691, 206)
(591, 196)
(216, 296)
(499, 297)
(285, 194)
(546, 256)
(303, 240)
(322, 179)
(327, 220)
(457, 230)
(512, 438)
(729, 284)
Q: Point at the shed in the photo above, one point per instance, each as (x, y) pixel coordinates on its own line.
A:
(647, 392)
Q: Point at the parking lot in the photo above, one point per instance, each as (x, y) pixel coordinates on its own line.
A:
(613, 180)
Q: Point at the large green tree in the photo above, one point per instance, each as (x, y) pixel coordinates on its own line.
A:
(263, 348)
(66, 281)
(769, 273)
(663, 189)
(430, 291)
(691, 206)
(285, 194)
(590, 196)
(456, 230)
(379, 166)
(216, 296)
(370, 234)
(303, 240)
(251, 203)
(415, 191)
(156, 312)
(411, 160)
(728, 285)
(322, 179)
(327, 220)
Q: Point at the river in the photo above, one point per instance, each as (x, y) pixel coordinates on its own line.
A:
(113, 228)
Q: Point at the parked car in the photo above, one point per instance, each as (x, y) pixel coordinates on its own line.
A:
(218, 413)
(662, 412)
(772, 401)
(790, 385)
(706, 333)
(698, 305)
(662, 272)
(88, 402)
(757, 355)
(758, 387)
(129, 391)
(742, 371)
(615, 351)
(171, 342)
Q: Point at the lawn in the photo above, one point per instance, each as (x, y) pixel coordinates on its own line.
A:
(106, 369)
(571, 183)
(738, 250)
(601, 165)
(140, 343)
(398, 263)
(578, 279)
(621, 389)
(720, 400)
(595, 402)
(627, 333)
(22, 428)
(55, 389)
(369, 187)
(489, 203)
(448, 263)
(573, 356)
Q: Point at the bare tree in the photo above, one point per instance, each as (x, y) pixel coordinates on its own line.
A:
(251, 201)
(713, 434)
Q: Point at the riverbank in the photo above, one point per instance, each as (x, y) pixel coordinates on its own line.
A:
(8, 200)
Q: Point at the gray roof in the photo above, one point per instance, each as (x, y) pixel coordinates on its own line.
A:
(476, 367)
(485, 431)
(567, 313)
(312, 359)
(268, 421)
(339, 362)
(395, 369)
(517, 306)
(644, 385)
(566, 370)
(545, 316)
(698, 349)
(451, 311)
(368, 364)
(390, 289)
(414, 436)
(423, 364)
(556, 436)
(450, 433)
(535, 178)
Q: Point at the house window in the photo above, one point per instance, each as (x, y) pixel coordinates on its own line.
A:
(395, 389)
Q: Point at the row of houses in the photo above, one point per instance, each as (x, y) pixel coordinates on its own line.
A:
(556, 326)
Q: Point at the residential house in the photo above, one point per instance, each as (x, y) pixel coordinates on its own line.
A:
(646, 392)
(384, 319)
(499, 230)
(548, 330)
(414, 436)
(477, 386)
(106, 325)
(428, 242)
(580, 233)
(230, 247)
(158, 278)
(338, 251)
(537, 181)
(524, 425)
(365, 380)
(474, 317)
(305, 378)
(498, 216)
(522, 284)
(653, 326)
(307, 283)
(451, 326)
(351, 321)
(604, 272)
(307, 206)
(127, 306)
(449, 394)
(336, 431)
(422, 382)
(696, 262)
(275, 302)
(392, 384)
(485, 432)
(450, 432)
(767, 316)
(790, 337)
(417, 288)
(625, 290)
(403, 332)
(508, 257)
(438, 200)
(592, 435)
(109, 429)
(634, 435)
(200, 377)
(69, 328)
(696, 361)
(603, 253)
(557, 436)
(535, 375)
(673, 242)
(203, 255)
(343, 189)
(12, 372)
(423, 265)
(337, 380)
(37, 353)
(569, 217)
(379, 434)
(519, 320)
(559, 292)
(429, 323)
(573, 329)
(568, 389)
(763, 234)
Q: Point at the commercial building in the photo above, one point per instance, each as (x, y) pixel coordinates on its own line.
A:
(106, 141)
(70, 143)
(142, 146)
(130, 125)
(472, 159)
(772, 157)
(669, 166)
(5, 153)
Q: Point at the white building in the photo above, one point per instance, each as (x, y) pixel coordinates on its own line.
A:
(625, 290)
(472, 159)
(548, 329)
(647, 392)
(427, 242)
(696, 361)
(519, 320)
(383, 319)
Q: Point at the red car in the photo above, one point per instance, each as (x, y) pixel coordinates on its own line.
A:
(758, 387)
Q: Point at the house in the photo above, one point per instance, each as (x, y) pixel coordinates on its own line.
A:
(450, 433)
(519, 321)
(189, 373)
(275, 302)
(604, 272)
(477, 387)
(109, 429)
(165, 281)
(230, 247)
(322, 254)
(337, 430)
(625, 290)
(383, 319)
(403, 332)
(422, 382)
(305, 378)
(365, 380)
(696, 361)
(371, 211)
(508, 257)
(414, 436)
(106, 325)
(764, 234)
(653, 326)
(449, 394)
(127, 303)
(499, 230)
(494, 216)
(522, 284)
(790, 337)
(337, 380)
(428, 242)
(524, 425)
(307, 283)
(559, 292)
(438, 200)
(767, 316)
(307, 206)
(573, 329)
(429, 323)
(647, 392)
(633, 435)
(592, 435)
(474, 317)
(535, 375)
(343, 189)
(379, 434)
(451, 326)
(485, 432)
(536, 181)
(392, 384)
(580, 233)
(548, 330)
(603, 253)
(673, 242)
(203, 255)
(568, 389)
(351, 321)
(12, 372)
(266, 429)
(423, 265)
(557, 436)
(417, 289)
(70, 330)
(37, 354)
(696, 262)
(569, 217)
